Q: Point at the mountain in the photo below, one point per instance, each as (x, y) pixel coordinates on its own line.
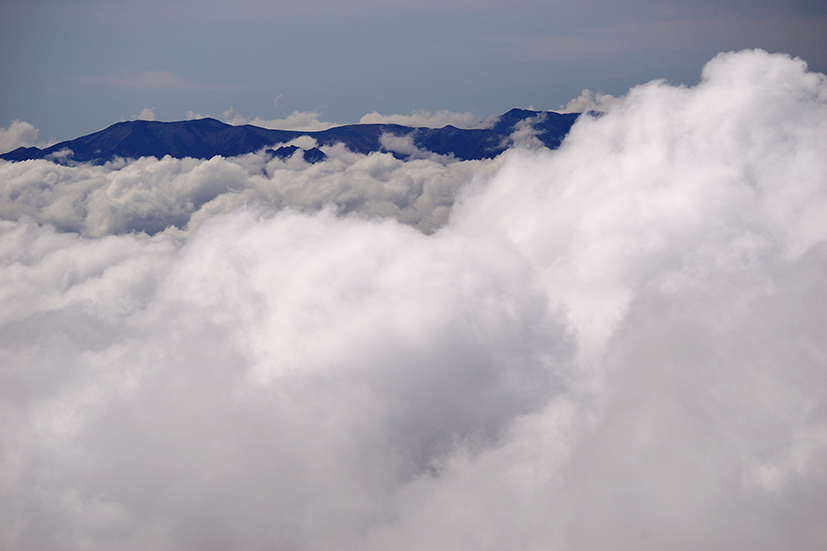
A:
(205, 138)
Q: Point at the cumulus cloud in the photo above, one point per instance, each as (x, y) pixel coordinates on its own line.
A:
(617, 344)
(153, 195)
(147, 115)
(405, 146)
(18, 134)
(297, 120)
(429, 120)
(588, 101)
(525, 134)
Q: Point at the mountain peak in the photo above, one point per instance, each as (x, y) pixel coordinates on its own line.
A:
(207, 137)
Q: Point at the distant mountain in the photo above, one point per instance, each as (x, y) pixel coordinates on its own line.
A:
(205, 138)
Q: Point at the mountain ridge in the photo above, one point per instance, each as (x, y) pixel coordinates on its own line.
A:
(208, 137)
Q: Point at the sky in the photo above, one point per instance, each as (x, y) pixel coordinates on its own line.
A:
(618, 344)
(72, 67)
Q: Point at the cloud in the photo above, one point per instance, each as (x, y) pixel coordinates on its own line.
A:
(154, 80)
(151, 195)
(617, 344)
(147, 115)
(310, 120)
(297, 120)
(429, 120)
(21, 134)
(525, 134)
(18, 134)
(405, 145)
(588, 101)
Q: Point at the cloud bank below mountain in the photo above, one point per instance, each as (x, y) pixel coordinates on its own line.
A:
(176, 195)
(617, 344)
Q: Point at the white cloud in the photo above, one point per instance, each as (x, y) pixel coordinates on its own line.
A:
(588, 101)
(429, 120)
(18, 134)
(525, 135)
(150, 195)
(405, 146)
(310, 120)
(305, 142)
(297, 120)
(618, 344)
(147, 115)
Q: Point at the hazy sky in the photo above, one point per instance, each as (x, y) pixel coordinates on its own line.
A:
(71, 67)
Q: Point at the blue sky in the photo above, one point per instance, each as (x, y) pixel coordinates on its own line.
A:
(75, 66)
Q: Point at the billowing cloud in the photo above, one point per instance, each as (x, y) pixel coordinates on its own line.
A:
(429, 119)
(21, 134)
(588, 101)
(151, 195)
(617, 344)
(147, 114)
(525, 135)
(18, 134)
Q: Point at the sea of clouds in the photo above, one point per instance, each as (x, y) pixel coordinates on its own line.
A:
(618, 345)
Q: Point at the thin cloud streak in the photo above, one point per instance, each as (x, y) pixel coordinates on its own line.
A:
(668, 36)
(424, 118)
(156, 80)
(297, 120)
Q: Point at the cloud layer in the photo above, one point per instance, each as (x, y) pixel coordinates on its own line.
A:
(618, 344)
(151, 195)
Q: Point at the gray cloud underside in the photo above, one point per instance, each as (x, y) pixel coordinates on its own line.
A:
(615, 345)
(151, 195)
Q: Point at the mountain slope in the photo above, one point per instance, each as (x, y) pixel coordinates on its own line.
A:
(205, 138)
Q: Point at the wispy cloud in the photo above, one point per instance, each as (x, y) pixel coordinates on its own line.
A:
(297, 120)
(156, 80)
(662, 39)
(429, 119)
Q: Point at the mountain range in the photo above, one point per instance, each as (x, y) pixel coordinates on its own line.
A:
(205, 138)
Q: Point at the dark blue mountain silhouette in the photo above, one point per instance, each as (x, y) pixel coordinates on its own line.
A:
(312, 155)
(205, 138)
